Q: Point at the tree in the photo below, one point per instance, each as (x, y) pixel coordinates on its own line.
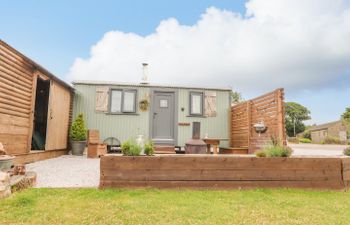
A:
(236, 97)
(346, 115)
(295, 115)
(78, 129)
(346, 120)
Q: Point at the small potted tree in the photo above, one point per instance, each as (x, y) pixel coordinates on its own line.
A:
(77, 135)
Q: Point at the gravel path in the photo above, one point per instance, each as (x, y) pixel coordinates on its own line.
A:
(67, 171)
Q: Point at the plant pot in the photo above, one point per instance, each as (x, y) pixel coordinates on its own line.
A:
(6, 162)
(78, 147)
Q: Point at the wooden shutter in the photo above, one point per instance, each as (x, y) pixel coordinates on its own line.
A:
(102, 99)
(210, 103)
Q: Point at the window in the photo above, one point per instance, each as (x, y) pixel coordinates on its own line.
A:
(163, 103)
(116, 101)
(129, 100)
(123, 101)
(196, 103)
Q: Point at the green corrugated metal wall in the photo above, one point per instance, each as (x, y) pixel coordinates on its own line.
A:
(125, 127)
(214, 126)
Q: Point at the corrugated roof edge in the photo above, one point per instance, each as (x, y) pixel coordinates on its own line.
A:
(324, 126)
(91, 82)
(38, 66)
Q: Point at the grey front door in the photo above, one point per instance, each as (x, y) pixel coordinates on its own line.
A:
(163, 117)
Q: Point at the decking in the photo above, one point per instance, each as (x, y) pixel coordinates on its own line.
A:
(223, 172)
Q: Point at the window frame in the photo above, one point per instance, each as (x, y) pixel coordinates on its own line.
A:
(196, 93)
(122, 111)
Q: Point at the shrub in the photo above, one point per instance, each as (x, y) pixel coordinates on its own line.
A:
(293, 140)
(305, 140)
(149, 148)
(347, 151)
(331, 140)
(278, 151)
(130, 148)
(307, 134)
(78, 130)
(260, 154)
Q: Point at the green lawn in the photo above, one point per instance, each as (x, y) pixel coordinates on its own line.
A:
(151, 206)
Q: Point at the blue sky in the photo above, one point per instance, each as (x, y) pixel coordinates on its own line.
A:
(55, 33)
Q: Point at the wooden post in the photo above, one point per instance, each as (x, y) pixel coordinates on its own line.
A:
(231, 124)
(249, 111)
(280, 115)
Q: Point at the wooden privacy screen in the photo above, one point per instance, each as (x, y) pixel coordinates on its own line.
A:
(200, 171)
(269, 109)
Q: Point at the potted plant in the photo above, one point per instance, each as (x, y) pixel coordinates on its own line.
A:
(6, 161)
(77, 135)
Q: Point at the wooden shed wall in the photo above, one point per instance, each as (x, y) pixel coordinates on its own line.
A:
(18, 76)
(16, 91)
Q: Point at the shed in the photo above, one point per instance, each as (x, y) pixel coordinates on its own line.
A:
(162, 113)
(118, 110)
(334, 129)
(35, 108)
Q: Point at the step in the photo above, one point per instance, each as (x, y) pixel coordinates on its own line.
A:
(164, 149)
(20, 182)
(233, 150)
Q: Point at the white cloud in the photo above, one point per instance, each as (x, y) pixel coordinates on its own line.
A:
(292, 44)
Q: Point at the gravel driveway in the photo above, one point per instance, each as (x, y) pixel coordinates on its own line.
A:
(317, 150)
(67, 171)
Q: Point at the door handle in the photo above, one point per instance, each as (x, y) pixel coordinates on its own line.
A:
(154, 115)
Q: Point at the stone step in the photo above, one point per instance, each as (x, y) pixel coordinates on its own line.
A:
(20, 182)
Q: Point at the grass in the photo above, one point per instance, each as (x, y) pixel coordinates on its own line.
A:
(151, 206)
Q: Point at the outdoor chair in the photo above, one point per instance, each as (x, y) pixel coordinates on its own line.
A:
(95, 147)
(113, 144)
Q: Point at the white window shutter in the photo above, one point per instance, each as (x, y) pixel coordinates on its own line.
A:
(102, 99)
(210, 103)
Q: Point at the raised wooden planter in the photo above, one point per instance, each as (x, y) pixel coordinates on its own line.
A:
(223, 172)
(237, 151)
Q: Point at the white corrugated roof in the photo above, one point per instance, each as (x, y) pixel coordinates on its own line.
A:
(94, 82)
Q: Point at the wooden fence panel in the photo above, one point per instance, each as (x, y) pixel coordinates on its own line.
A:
(269, 109)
